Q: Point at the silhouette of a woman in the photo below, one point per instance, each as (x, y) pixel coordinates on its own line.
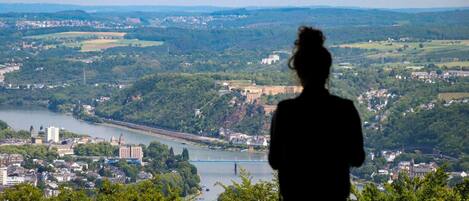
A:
(315, 137)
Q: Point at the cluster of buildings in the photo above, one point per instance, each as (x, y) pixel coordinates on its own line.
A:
(16, 169)
(26, 24)
(244, 139)
(189, 20)
(375, 99)
(458, 101)
(409, 168)
(433, 103)
(33, 45)
(194, 21)
(36, 24)
(102, 99)
(430, 77)
(8, 68)
(11, 172)
(392, 169)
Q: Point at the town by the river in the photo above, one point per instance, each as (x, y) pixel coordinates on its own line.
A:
(212, 165)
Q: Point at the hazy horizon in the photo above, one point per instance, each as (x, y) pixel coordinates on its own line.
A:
(260, 3)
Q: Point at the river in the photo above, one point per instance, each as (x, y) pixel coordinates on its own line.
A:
(210, 172)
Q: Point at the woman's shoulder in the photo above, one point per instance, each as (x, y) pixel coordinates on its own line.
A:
(342, 103)
(341, 99)
(331, 100)
(287, 103)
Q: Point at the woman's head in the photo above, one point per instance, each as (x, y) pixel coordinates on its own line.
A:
(311, 60)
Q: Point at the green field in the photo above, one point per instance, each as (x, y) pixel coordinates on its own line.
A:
(454, 64)
(433, 45)
(94, 41)
(102, 44)
(452, 96)
(424, 49)
(397, 48)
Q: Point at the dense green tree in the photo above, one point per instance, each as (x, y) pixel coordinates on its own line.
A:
(432, 187)
(96, 149)
(22, 192)
(31, 151)
(248, 190)
(67, 194)
(185, 154)
(3, 125)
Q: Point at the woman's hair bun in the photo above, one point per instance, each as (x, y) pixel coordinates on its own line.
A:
(309, 38)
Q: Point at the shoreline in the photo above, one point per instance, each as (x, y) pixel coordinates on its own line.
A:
(147, 131)
(200, 143)
(150, 134)
(163, 132)
(187, 138)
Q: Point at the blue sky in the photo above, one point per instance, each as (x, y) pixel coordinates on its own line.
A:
(244, 3)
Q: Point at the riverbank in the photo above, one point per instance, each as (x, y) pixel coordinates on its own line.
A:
(159, 131)
(210, 172)
(179, 140)
(180, 137)
(183, 138)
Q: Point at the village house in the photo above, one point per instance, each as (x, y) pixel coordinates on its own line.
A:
(390, 155)
(273, 58)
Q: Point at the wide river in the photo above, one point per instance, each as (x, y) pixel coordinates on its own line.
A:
(210, 172)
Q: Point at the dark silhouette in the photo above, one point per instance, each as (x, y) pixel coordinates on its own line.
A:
(236, 169)
(316, 137)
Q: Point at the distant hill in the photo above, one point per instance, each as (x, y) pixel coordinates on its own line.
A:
(426, 10)
(36, 8)
(49, 7)
(443, 128)
(182, 102)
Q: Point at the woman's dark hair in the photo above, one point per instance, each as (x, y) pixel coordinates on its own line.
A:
(311, 60)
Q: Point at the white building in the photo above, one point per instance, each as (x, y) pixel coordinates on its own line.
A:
(262, 141)
(390, 155)
(52, 134)
(3, 176)
(463, 174)
(273, 58)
